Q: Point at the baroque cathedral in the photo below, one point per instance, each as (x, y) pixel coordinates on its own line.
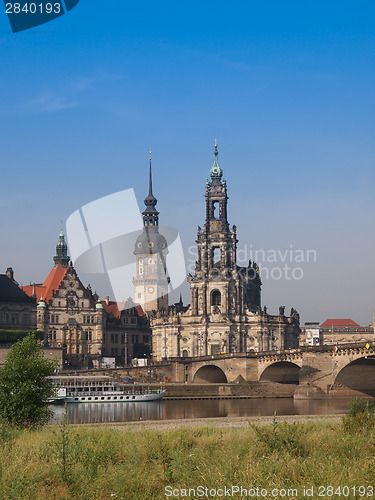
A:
(225, 314)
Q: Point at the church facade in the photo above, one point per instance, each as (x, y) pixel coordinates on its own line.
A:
(225, 314)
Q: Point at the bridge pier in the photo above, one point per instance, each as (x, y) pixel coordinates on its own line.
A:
(316, 375)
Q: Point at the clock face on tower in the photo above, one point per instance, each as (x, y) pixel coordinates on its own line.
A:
(150, 289)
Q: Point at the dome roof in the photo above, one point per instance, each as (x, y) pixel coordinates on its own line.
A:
(41, 303)
(216, 170)
(150, 241)
(61, 242)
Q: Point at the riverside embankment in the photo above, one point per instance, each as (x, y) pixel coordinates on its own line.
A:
(229, 391)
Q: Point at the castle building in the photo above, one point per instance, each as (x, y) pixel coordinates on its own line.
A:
(68, 313)
(225, 314)
(73, 318)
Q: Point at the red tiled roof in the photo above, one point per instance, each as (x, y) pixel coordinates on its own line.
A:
(116, 307)
(339, 323)
(113, 307)
(139, 310)
(52, 282)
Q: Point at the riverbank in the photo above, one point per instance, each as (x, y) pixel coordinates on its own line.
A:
(88, 462)
(221, 422)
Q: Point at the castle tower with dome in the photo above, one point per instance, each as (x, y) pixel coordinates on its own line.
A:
(151, 281)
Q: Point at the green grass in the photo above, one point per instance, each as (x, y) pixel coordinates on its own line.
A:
(90, 462)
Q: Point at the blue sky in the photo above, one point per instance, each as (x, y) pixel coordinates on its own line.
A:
(287, 88)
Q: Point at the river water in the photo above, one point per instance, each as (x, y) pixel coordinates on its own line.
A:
(80, 413)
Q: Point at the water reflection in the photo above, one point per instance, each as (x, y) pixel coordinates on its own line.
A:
(110, 412)
(186, 409)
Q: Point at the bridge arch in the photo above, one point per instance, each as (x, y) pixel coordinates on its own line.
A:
(210, 374)
(283, 372)
(358, 375)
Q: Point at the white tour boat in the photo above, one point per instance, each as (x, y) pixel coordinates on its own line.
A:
(100, 389)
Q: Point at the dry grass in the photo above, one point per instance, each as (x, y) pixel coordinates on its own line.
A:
(71, 462)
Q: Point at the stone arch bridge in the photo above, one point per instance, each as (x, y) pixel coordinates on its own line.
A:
(317, 370)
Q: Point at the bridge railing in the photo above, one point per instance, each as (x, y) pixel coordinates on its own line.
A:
(300, 350)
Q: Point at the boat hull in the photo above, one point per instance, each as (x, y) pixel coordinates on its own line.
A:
(99, 389)
(116, 398)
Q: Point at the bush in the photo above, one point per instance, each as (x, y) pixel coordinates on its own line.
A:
(361, 415)
(12, 336)
(358, 405)
(282, 437)
(24, 388)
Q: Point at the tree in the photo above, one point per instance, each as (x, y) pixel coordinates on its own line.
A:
(24, 387)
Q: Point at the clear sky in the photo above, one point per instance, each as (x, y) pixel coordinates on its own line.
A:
(286, 87)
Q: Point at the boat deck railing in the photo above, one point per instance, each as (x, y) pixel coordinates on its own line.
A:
(115, 393)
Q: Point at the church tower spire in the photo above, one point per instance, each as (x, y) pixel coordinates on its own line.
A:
(61, 256)
(216, 171)
(216, 199)
(150, 214)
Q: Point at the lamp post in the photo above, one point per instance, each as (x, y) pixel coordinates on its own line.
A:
(126, 348)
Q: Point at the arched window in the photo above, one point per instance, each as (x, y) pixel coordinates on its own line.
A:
(216, 255)
(216, 298)
(216, 209)
(185, 353)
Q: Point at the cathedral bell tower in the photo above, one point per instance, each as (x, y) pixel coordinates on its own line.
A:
(151, 281)
(219, 288)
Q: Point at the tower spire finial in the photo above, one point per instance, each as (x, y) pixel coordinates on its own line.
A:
(216, 171)
(150, 200)
(150, 179)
